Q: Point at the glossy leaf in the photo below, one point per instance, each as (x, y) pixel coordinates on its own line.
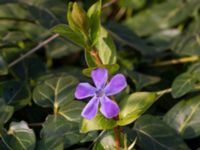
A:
(53, 91)
(155, 134)
(183, 84)
(98, 123)
(18, 137)
(58, 130)
(66, 31)
(106, 48)
(184, 117)
(134, 106)
(94, 15)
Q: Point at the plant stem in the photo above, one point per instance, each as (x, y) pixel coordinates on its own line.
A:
(99, 62)
(177, 61)
(95, 54)
(117, 137)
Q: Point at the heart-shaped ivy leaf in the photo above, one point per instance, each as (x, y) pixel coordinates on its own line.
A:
(18, 137)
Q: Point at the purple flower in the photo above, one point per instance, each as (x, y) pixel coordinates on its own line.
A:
(100, 94)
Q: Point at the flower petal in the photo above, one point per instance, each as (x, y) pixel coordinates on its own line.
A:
(84, 90)
(100, 76)
(108, 107)
(90, 110)
(116, 85)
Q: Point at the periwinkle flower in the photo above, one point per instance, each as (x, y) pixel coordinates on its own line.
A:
(100, 93)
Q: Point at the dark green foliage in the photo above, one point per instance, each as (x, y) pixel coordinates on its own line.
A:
(154, 43)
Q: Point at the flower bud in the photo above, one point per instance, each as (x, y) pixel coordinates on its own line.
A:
(80, 18)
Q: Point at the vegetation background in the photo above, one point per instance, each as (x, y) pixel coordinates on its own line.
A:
(158, 50)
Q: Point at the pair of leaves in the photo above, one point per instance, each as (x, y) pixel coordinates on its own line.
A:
(88, 37)
(130, 109)
(61, 128)
(83, 28)
(18, 137)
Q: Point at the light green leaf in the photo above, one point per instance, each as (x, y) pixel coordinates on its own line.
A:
(18, 137)
(3, 66)
(183, 84)
(90, 60)
(94, 14)
(6, 112)
(155, 134)
(16, 93)
(98, 123)
(66, 31)
(55, 90)
(134, 106)
(111, 69)
(107, 141)
(106, 47)
(184, 117)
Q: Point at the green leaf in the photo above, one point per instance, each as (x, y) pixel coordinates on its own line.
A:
(183, 84)
(16, 93)
(57, 130)
(184, 117)
(106, 47)
(134, 106)
(98, 123)
(90, 60)
(188, 42)
(107, 141)
(6, 112)
(62, 127)
(18, 137)
(53, 91)
(94, 14)
(3, 66)
(66, 31)
(111, 69)
(195, 69)
(155, 134)
(161, 16)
